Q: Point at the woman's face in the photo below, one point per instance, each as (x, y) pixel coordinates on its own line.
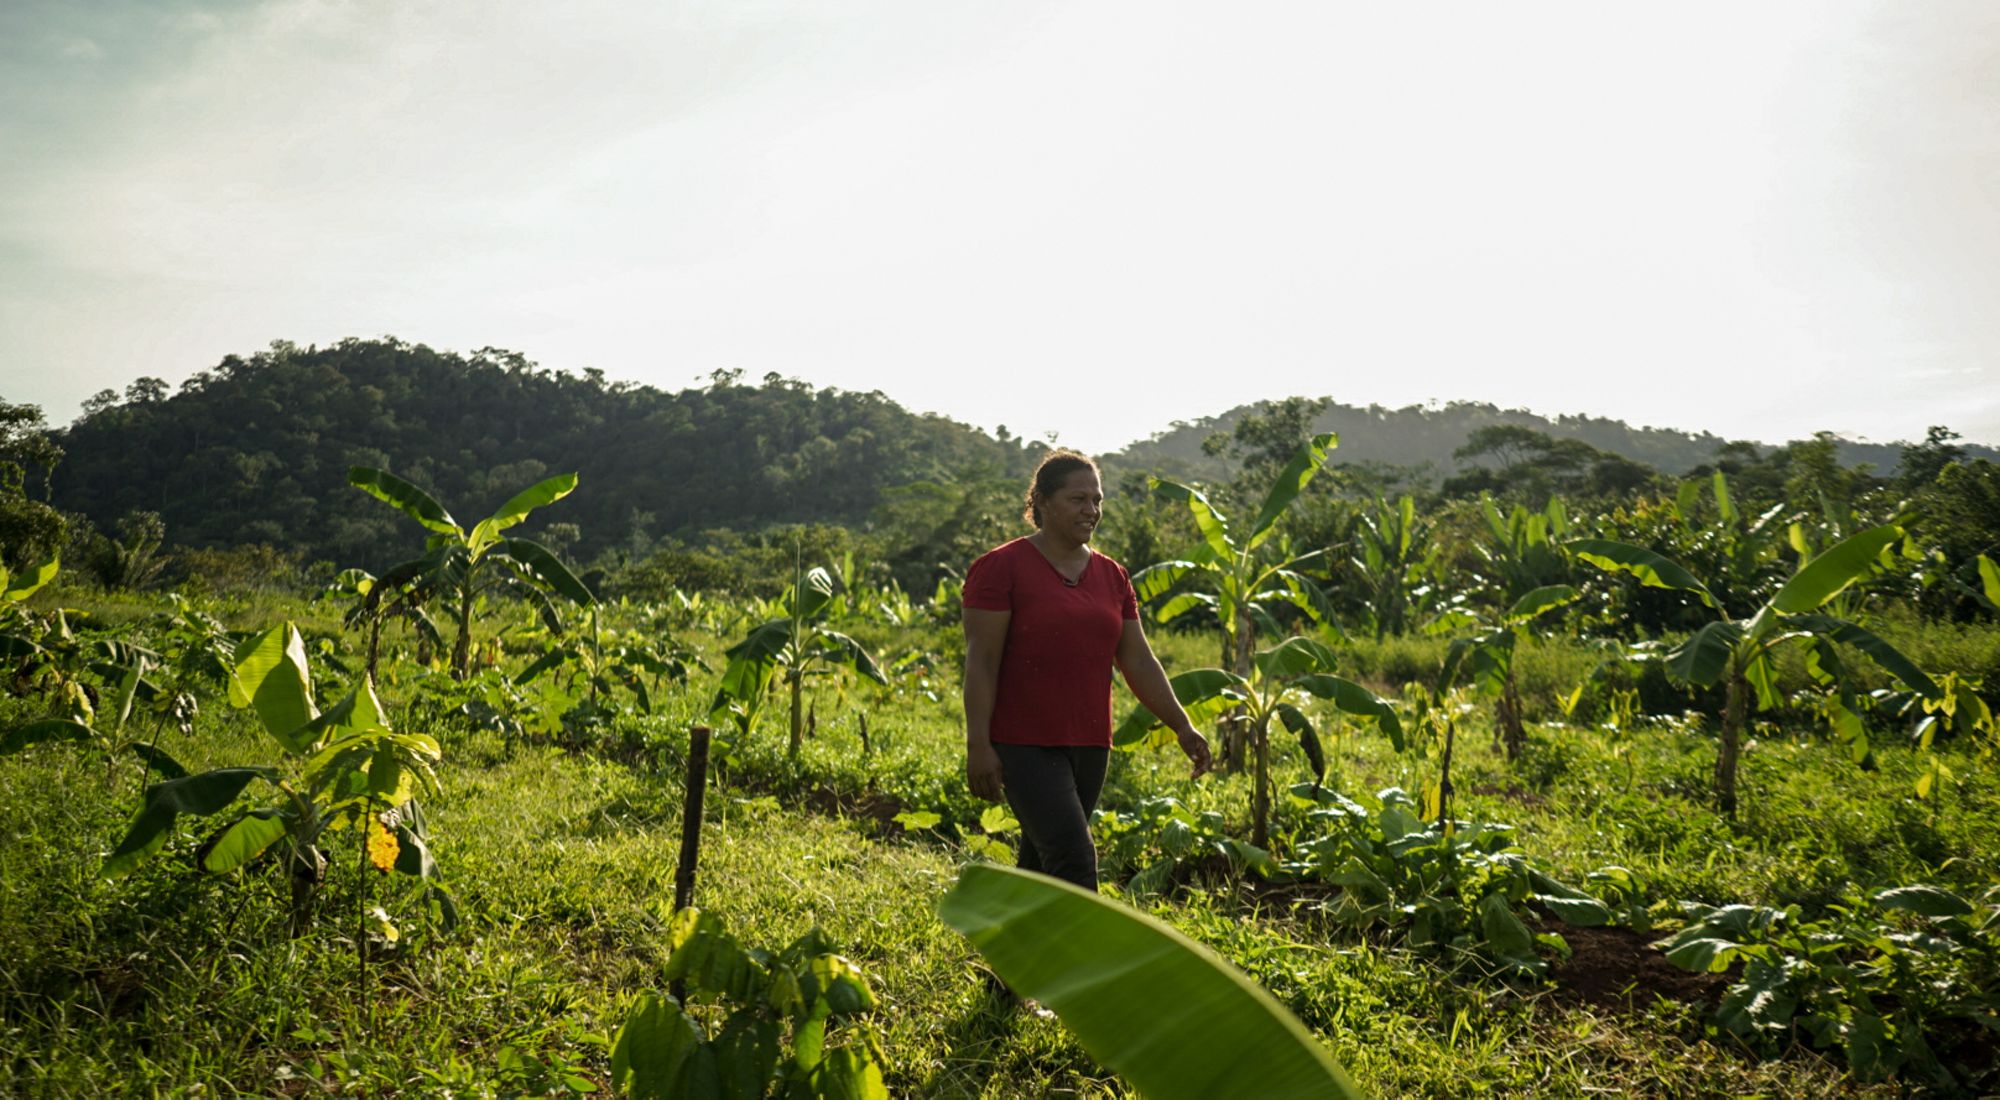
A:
(1073, 510)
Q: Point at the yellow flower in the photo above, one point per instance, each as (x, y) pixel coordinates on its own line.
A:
(382, 846)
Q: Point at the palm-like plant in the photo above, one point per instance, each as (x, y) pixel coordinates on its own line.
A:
(1227, 574)
(458, 566)
(1395, 562)
(1280, 679)
(1737, 652)
(798, 641)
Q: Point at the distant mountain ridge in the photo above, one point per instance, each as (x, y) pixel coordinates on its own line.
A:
(256, 450)
(1419, 436)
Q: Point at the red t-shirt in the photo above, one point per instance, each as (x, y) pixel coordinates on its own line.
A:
(1055, 671)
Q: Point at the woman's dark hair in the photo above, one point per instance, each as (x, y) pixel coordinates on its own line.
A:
(1055, 469)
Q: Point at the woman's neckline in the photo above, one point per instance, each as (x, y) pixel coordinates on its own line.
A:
(1091, 557)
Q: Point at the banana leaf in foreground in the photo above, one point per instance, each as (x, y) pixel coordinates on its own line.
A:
(1164, 1012)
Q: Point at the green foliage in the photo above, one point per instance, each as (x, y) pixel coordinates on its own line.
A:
(1452, 887)
(663, 1051)
(1879, 976)
(799, 642)
(1159, 1009)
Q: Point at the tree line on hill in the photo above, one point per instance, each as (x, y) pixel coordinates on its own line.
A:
(239, 476)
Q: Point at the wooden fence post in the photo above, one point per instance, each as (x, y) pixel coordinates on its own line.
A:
(697, 782)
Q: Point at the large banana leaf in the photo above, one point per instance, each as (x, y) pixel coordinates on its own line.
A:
(1824, 576)
(1348, 696)
(1703, 657)
(1153, 581)
(1989, 580)
(1292, 480)
(1540, 600)
(546, 568)
(271, 677)
(405, 497)
(1867, 641)
(48, 729)
(1212, 524)
(1162, 1011)
(203, 794)
(842, 649)
(1197, 689)
(21, 587)
(1653, 570)
(514, 511)
(1295, 656)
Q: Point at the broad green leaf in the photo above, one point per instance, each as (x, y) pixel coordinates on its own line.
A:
(270, 675)
(1301, 727)
(20, 587)
(1762, 1001)
(1352, 698)
(1570, 905)
(358, 710)
(1295, 656)
(1725, 508)
(413, 856)
(1292, 480)
(660, 1055)
(159, 760)
(405, 497)
(1213, 526)
(1153, 581)
(203, 794)
(1884, 654)
(845, 650)
(542, 564)
(47, 729)
(1653, 570)
(1192, 688)
(996, 819)
(849, 1073)
(1704, 656)
(514, 511)
(241, 841)
(1182, 603)
(746, 1054)
(1205, 1030)
(1824, 576)
(1924, 901)
(1509, 939)
(917, 821)
(1540, 600)
(1989, 579)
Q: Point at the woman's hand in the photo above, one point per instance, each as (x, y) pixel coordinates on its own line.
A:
(982, 770)
(1196, 747)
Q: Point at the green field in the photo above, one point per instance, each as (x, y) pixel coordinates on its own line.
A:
(558, 846)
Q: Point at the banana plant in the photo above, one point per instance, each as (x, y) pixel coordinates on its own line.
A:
(1204, 1030)
(1395, 562)
(1226, 575)
(1486, 656)
(376, 603)
(1281, 679)
(343, 770)
(797, 642)
(1737, 652)
(459, 566)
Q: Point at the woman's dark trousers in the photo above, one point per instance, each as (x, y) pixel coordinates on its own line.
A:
(1052, 791)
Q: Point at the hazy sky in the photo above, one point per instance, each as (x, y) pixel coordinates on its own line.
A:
(1757, 219)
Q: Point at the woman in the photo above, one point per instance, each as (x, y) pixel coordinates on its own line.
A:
(1046, 617)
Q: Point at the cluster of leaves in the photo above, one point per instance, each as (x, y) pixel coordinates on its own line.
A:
(1161, 836)
(1455, 887)
(1885, 976)
(344, 770)
(790, 1025)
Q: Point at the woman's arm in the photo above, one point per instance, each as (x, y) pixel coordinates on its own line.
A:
(985, 638)
(1148, 682)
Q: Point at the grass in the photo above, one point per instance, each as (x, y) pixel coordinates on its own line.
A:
(561, 855)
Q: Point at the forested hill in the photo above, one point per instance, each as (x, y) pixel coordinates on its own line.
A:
(1417, 435)
(257, 449)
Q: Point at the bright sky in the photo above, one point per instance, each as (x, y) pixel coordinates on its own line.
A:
(1091, 219)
